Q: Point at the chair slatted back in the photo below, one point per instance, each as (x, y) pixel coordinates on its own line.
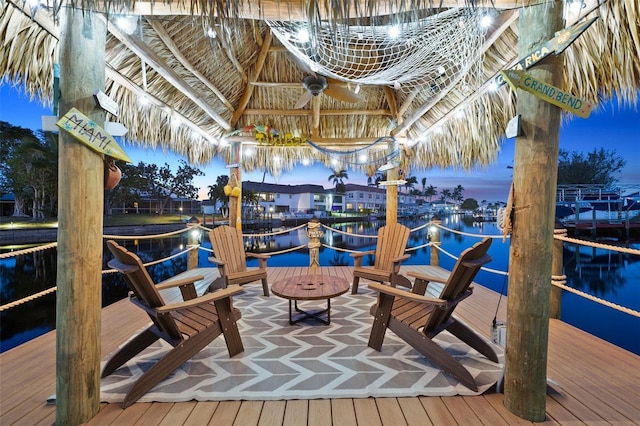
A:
(143, 287)
(465, 270)
(228, 245)
(392, 243)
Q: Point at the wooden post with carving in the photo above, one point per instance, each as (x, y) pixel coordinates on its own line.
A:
(531, 252)
(80, 220)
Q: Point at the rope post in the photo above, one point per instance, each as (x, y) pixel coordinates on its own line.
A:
(434, 238)
(314, 233)
(555, 303)
(193, 240)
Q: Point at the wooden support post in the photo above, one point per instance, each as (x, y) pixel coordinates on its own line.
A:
(391, 214)
(434, 238)
(392, 198)
(555, 305)
(314, 233)
(80, 220)
(531, 252)
(193, 238)
(235, 180)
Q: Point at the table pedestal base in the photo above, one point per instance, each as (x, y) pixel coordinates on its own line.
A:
(309, 315)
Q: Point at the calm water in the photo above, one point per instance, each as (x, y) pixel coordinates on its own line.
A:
(608, 275)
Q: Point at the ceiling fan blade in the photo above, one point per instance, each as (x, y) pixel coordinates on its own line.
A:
(342, 93)
(304, 99)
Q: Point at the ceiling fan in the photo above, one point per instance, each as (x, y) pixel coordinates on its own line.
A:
(316, 84)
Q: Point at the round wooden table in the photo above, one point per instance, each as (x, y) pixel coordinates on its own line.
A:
(310, 287)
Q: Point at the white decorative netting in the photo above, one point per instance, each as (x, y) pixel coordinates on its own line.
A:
(435, 50)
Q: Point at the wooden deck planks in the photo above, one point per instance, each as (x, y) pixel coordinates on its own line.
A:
(272, 413)
(596, 383)
(343, 412)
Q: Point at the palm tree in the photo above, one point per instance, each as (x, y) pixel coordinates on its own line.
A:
(216, 192)
(445, 195)
(457, 194)
(251, 199)
(337, 177)
(424, 183)
(411, 181)
(430, 192)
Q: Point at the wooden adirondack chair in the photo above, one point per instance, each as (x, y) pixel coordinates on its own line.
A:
(231, 258)
(188, 326)
(417, 318)
(389, 254)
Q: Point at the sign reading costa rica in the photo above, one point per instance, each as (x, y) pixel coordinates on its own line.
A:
(546, 92)
(89, 133)
(556, 45)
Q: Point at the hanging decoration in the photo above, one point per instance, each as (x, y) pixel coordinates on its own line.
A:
(268, 136)
(375, 154)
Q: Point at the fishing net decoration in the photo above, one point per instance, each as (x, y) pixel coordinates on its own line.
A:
(437, 50)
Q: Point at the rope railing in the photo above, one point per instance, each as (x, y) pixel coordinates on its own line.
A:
(145, 237)
(468, 234)
(560, 282)
(104, 272)
(556, 281)
(597, 245)
(28, 250)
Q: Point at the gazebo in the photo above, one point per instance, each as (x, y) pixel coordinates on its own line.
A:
(389, 86)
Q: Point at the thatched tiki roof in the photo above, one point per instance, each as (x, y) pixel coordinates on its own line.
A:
(208, 70)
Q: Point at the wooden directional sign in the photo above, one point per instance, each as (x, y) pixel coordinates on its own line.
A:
(556, 45)
(86, 131)
(106, 103)
(553, 95)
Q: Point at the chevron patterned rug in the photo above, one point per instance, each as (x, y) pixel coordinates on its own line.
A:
(308, 360)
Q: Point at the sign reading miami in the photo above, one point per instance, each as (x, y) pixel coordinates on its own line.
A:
(88, 132)
(548, 93)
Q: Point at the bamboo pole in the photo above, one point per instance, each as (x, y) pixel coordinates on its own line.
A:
(531, 252)
(80, 207)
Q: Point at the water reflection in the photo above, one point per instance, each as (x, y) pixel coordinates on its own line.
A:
(608, 275)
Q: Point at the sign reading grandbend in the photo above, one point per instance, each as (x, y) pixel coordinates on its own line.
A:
(88, 132)
(553, 95)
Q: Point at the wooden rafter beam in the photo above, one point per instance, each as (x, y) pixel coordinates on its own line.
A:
(168, 41)
(296, 10)
(590, 5)
(123, 81)
(339, 143)
(227, 49)
(45, 22)
(325, 112)
(503, 22)
(138, 47)
(248, 90)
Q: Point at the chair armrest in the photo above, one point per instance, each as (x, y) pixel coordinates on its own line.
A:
(217, 261)
(434, 274)
(401, 258)
(361, 253)
(395, 292)
(358, 256)
(171, 282)
(205, 298)
(262, 259)
(415, 297)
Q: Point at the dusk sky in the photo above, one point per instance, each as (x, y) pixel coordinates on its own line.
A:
(611, 127)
